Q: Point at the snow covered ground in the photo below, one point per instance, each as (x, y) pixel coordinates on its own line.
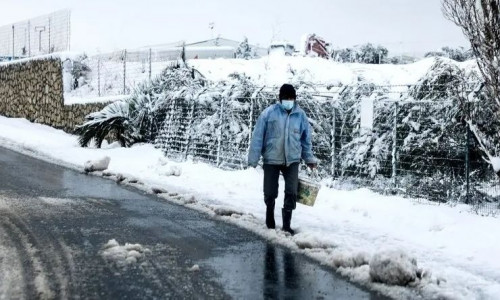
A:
(445, 252)
(275, 70)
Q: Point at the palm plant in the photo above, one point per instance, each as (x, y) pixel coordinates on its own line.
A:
(113, 120)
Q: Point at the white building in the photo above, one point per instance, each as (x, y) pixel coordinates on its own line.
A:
(218, 48)
(281, 48)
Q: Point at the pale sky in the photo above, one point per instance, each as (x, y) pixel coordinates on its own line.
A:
(411, 26)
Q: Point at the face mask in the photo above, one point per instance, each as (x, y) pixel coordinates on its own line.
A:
(287, 104)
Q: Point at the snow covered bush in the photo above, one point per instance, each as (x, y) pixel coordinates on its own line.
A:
(364, 152)
(76, 72)
(216, 125)
(112, 121)
(431, 134)
(137, 119)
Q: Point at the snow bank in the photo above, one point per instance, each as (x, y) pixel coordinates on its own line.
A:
(345, 229)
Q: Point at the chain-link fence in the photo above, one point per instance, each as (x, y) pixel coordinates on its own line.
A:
(37, 36)
(375, 137)
(118, 73)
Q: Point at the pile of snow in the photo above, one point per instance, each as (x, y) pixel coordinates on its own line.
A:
(123, 255)
(97, 165)
(349, 260)
(166, 168)
(344, 229)
(394, 268)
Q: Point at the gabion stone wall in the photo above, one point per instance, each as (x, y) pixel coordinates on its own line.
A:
(34, 90)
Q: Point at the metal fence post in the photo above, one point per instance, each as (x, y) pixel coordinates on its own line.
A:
(150, 57)
(124, 70)
(189, 128)
(394, 145)
(219, 132)
(50, 21)
(168, 127)
(333, 143)
(250, 127)
(467, 163)
(29, 39)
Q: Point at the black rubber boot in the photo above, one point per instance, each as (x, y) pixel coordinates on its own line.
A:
(270, 223)
(287, 218)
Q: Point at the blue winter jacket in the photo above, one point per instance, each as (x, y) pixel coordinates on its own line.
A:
(281, 138)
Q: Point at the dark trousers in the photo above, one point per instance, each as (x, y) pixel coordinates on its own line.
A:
(271, 176)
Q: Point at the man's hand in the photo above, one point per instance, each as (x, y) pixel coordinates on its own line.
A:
(312, 166)
(253, 165)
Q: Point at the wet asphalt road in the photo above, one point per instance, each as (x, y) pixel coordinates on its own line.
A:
(55, 221)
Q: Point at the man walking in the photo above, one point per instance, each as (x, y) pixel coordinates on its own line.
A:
(282, 136)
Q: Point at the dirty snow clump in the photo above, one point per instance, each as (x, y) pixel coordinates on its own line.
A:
(123, 255)
(394, 268)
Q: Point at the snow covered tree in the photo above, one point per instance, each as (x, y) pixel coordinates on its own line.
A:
(458, 54)
(434, 54)
(80, 71)
(366, 54)
(480, 22)
(344, 55)
(244, 50)
(370, 54)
